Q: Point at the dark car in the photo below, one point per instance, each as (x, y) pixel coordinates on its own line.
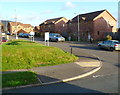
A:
(20, 34)
(25, 35)
(8, 33)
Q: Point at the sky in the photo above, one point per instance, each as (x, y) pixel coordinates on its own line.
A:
(35, 12)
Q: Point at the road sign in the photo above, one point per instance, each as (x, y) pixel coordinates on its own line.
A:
(46, 36)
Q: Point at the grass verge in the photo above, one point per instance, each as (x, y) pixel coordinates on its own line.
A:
(22, 54)
(18, 79)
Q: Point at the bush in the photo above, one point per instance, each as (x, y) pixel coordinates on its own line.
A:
(108, 37)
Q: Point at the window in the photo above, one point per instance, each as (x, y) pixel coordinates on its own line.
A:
(63, 25)
(98, 32)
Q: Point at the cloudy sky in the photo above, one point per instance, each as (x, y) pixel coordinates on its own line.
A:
(35, 12)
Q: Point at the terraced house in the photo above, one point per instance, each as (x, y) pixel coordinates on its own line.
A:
(55, 25)
(19, 27)
(91, 25)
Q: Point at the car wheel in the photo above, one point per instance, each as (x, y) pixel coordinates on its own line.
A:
(112, 49)
(56, 40)
(99, 46)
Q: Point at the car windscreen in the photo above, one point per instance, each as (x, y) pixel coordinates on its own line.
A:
(117, 42)
(58, 35)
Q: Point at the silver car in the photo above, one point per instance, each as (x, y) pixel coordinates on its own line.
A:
(110, 45)
(56, 37)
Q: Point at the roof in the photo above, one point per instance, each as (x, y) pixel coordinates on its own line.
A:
(26, 25)
(37, 27)
(14, 23)
(51, 21)
(19, 23)
(22, 31)
(87, 16)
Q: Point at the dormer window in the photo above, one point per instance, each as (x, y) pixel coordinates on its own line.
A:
(45, 22)
(53, 21)
(83, 18)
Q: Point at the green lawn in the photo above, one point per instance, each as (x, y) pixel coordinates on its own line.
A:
(22, 54)
(18, 79)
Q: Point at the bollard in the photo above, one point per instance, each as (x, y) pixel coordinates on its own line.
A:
(71, 50)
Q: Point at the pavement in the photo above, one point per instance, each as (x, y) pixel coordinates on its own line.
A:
(85, 66)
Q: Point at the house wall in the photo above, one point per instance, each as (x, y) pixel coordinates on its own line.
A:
(61, 27)
(48, 27)
(28, 29)
(85, 28)
(109, 19)
(102, 24)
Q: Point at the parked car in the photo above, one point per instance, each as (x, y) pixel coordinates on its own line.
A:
(26, 35)
(20, 34)
(4, 39)
(56, 37)
(8, 33)
(110, 45)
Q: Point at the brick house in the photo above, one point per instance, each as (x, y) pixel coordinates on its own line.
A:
(56, 25)
(2, 27)
(36, 29)
(91, 25)
(19, 27)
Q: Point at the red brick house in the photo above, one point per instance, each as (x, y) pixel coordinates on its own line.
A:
(91, 25)
(56, 25)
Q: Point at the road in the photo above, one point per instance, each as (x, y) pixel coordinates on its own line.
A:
(103, 81)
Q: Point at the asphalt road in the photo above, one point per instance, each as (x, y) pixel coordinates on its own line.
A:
(103, 81)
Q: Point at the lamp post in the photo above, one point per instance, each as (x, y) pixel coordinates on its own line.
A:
(16, 24)
(78, 27)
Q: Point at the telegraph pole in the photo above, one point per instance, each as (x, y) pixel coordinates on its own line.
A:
(16, 24)
(78, 29)
(78, 34)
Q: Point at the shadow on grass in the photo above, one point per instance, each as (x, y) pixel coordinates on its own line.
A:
(18, 42)
(13, 43)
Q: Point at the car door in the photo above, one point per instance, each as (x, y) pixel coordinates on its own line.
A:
(109, 45)
(106, 44)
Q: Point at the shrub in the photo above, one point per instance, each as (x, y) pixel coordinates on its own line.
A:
(108, 37)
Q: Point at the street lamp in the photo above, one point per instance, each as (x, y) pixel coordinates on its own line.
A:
(78, 27)
(16, 24)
